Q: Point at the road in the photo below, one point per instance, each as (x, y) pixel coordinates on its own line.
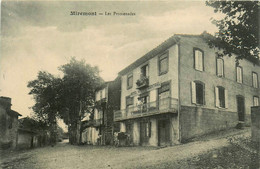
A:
(66, 156)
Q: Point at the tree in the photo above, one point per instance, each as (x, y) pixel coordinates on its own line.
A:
(45, 90)
(238, 30)
(78, 92)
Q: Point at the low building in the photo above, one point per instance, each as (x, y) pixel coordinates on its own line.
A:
(181, 89)
(8, 124)
(28, 136)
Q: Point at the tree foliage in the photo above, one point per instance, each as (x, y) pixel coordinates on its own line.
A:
(238, 30)
(68, 98)
(46, 91)
(78, 92)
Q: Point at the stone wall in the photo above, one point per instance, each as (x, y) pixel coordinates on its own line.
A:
(8, 124)
(197, 121)
(255, 117)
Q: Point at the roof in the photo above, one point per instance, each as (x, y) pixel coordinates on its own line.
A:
(161, 48)
(157, 50)
(14, 113)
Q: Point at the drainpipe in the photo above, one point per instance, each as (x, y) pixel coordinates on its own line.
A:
(179, 102)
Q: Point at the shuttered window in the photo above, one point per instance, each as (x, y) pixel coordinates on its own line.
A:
(255, 80)
(129, 81)
(198, 59)
(220, 67)
(129, 101)
(197, 92)
(163, 64)
(239, 74)
(221, 97)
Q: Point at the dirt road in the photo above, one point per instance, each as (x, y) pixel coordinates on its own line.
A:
(66, 156)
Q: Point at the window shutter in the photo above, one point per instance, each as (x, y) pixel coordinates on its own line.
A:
(196, 59)
(226, 98)
(200, 61)
(216, 97)
(193, 92)
(150, 128)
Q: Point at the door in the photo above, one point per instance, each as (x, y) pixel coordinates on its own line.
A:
(241, 108)
(163, 132)
(143, 133)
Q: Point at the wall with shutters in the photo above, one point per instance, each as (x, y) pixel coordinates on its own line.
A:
(211, 80)
(154, 77)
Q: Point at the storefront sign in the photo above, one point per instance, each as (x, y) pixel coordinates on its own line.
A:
(151, 87)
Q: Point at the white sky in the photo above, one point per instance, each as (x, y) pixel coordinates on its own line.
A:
(42, 36)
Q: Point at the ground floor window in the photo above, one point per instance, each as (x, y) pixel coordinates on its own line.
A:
(221, 97)
(198, 92)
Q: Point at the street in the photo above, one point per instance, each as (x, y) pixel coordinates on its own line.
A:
(67, 156)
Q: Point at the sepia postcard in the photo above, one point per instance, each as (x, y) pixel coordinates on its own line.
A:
(129, 84)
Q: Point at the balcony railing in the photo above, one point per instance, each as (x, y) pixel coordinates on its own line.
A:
(166, 105)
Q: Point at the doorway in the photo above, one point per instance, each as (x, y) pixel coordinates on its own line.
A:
(144, 133)
(163, 132)
(241, 108)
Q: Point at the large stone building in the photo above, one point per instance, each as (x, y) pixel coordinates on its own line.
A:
(181, 90)
(101, 129)
(8, 124)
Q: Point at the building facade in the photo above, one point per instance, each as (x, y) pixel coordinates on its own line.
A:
(181, 90)
(107, 100)
(8, 124)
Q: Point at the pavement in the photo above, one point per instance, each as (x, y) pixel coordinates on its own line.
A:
(66, 156)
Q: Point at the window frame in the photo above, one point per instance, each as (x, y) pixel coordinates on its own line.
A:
(254, 101)
(195, 91)
(160, 58)
(223, 67)
(127, 105)
(147, 73)
(194, 59)
(217, 100)
(257, 82)
(241, 74)
(127, 82)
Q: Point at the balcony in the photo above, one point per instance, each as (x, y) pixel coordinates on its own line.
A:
(142, 82)
(166, 105)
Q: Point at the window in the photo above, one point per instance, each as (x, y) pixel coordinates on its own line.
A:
(239, 74)
(255, 80)
(129, 81)
(164, 90)
(198, 59)
(255, 101)
(221, 97)
(144, 71)
(198, 94)
(164, 95)
(142, 101)
(220, 67)
(163, 64)
(146, 128)
(129, 101)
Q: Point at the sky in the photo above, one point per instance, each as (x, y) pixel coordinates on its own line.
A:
(41, 36)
